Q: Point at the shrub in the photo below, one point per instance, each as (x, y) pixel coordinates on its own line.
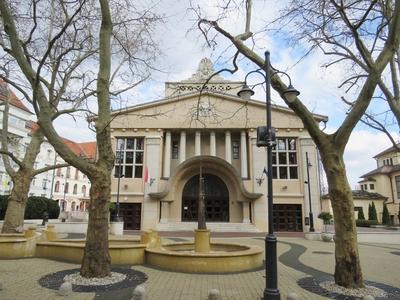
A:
(325, 216)
(36, 206)
(372, 212)
(366, 223)
(385, 215)
(360, 215)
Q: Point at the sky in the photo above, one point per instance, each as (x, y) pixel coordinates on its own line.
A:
(182, 47)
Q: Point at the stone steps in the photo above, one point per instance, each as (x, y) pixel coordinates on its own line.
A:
(217, 227)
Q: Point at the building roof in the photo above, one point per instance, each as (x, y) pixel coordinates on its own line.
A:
(388, 150)
(14, 101)
(87, 149)
(385, 170)
(362, 195)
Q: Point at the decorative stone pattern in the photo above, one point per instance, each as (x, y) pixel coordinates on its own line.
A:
(77, 279)
(361, 292)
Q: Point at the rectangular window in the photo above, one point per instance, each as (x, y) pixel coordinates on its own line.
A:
(235, 149)
(129, 157)
(284, 159)
(397, 179)
(175, 150)
(371, 186)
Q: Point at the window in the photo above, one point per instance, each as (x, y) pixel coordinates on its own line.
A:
(66, 188)
(235, 149)
(84, 190)
(73, 206)
(175, 150)
(59, 172)
(75, 191)
(57, 187)
(76, 174)
(44, 184)
(68, 172)
(284, 159)
(365, 186)
(397, 179)
(129, 157)
(371, 186)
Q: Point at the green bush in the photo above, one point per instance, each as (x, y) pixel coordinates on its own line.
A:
(366, 223)
(325, 216)
(385, 215)
(36, 206)
(360, 215)
(372, 212)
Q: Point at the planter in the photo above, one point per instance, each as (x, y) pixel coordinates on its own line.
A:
(117, 228)
(202, 240)
(327, 237)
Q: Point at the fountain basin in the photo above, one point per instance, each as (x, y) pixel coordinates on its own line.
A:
(222, 258)
(122, 251)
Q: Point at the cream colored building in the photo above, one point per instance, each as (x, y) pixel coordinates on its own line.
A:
(385, 180)
(163, 144)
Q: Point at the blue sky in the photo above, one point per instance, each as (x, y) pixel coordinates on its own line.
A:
(182, 49)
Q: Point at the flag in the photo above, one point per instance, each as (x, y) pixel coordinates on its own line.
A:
(146, 175)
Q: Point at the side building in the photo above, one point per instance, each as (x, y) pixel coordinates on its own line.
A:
(162, 147)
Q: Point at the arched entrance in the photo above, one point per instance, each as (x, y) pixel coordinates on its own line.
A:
(216, 198)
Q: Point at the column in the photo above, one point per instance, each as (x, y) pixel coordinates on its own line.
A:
(164, 212)
(213, 147)
(243, 155)
(182, 147)
(197, 144)
(167, 155)
(246, 212)
(228, 147)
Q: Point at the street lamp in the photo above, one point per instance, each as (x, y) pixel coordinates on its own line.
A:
(309, 194)
(266, 138)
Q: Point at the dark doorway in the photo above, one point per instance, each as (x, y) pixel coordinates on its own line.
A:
(131, 212)
(287, 217)
(216, 198)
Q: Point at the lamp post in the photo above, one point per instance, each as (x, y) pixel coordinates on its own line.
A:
(266, 138)
(309, 194)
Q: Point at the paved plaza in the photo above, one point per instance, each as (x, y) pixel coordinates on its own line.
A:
(298, 258)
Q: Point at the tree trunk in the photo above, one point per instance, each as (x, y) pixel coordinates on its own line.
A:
(14, 218)
(96, 259)
(347, 268)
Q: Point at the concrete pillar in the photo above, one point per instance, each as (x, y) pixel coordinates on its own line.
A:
(167, 155)
(164, 212)
(197, 144)
(213, 146)
(228, 147)
(246, 212)
(182, 147)
(243, 155)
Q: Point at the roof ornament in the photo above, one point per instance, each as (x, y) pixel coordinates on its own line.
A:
(204, 71)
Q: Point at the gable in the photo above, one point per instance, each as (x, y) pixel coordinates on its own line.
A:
(213, 110)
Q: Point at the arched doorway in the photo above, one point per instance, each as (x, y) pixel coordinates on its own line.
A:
(216, 198)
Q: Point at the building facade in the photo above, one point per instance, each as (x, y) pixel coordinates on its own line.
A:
(385, 180)
(162, 147)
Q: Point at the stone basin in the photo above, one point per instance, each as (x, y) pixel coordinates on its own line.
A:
(222, 258)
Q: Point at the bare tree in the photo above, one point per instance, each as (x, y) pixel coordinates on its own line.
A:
(23, 173)
(348, 31)
(65, 57)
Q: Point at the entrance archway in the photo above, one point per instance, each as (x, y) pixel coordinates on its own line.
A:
(216, 198)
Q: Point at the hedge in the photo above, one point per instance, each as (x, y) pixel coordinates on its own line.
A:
(35, 207)
(366, 223)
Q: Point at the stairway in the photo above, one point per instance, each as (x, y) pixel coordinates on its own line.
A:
(216, 227)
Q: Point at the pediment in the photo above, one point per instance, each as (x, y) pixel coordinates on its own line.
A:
(210, 110)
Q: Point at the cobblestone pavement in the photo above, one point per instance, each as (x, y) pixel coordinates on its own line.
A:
(380, 263)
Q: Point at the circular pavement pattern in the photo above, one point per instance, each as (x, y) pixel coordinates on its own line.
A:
(133, 278)
(312, 285)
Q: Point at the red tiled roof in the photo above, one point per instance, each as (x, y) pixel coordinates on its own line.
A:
(14, 100)
(87, 149)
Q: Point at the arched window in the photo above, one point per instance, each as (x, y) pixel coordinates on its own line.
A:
(73, 206)
(66, 188)
(84, 190)
(75, 189)
(68, 172)
(63, 205)
(57, 187)
(76, 174)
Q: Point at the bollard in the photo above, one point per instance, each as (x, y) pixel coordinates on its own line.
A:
(368, 297)
(214, 295)
(45, 218)
(139, 293)
(65, 289)
(292, 296)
